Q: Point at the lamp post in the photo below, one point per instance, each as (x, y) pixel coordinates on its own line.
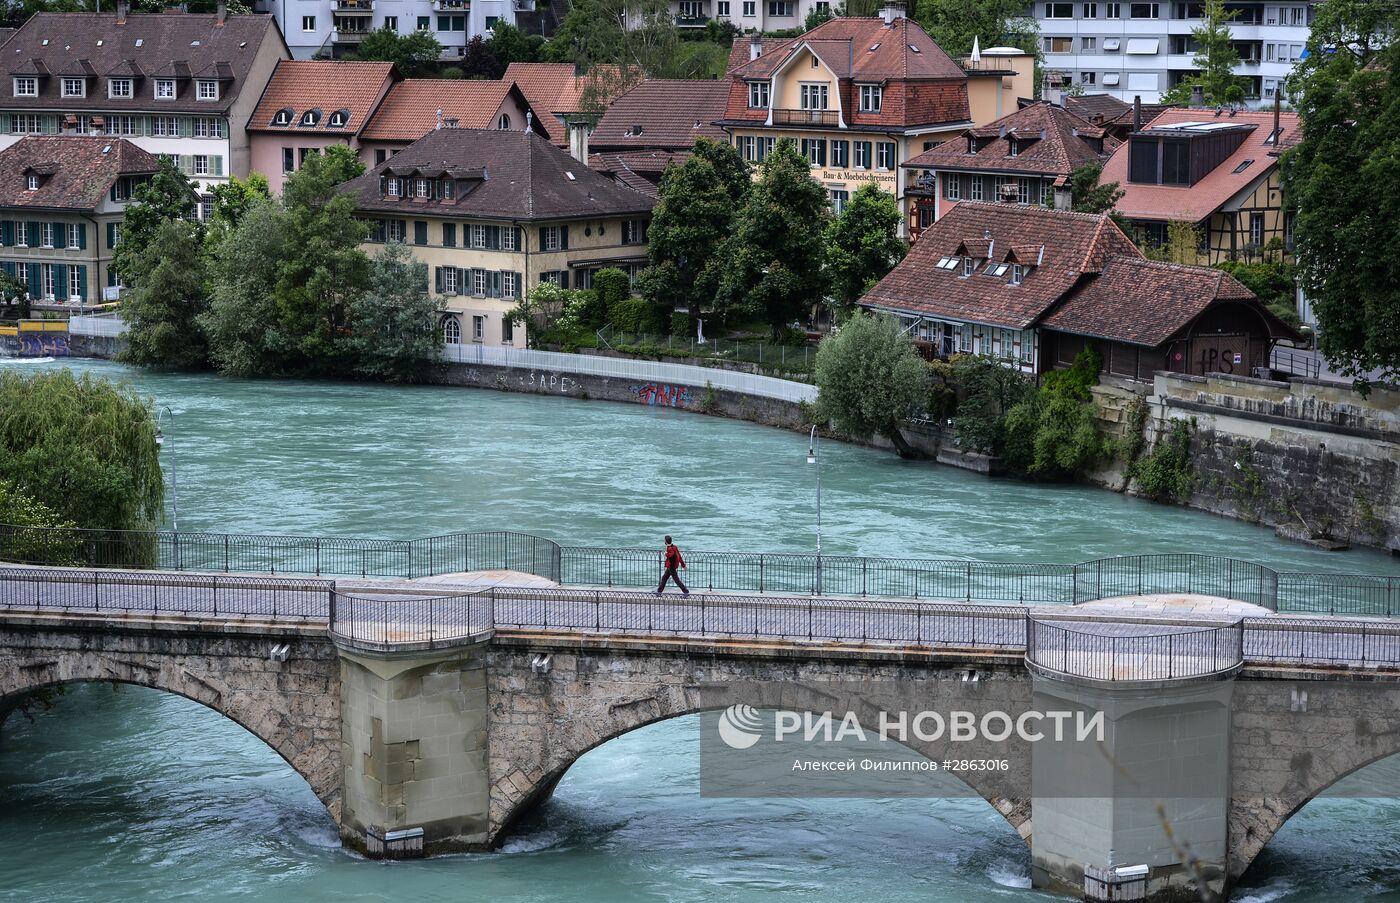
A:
(812, 459)
(174, 471)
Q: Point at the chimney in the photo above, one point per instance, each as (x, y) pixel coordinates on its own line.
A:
(891, 11)
(755, 46)
(439, 119)
(1063, 201)
(578, 141)
(221, 12)
(122, 7)
(1137, 112)
(1278, 105)
(1198, 96)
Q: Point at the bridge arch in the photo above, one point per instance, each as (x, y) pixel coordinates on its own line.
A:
(519, 786)
(293, 714)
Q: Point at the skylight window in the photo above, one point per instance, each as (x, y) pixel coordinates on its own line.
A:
(915, 48)
(948, 263)
(874, 47)
(570, 176)
(997, 269)
(1243, 166)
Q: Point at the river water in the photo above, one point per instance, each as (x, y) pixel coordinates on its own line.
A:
(131, 794)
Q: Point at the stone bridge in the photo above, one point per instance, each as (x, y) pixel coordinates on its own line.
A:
(431, 717)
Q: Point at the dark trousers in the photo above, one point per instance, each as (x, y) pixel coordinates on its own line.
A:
(672, 575)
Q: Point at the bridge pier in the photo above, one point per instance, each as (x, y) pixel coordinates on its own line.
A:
(414, 748)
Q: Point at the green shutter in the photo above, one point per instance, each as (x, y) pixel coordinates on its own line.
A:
(7, 233)
(216, 165)
(420, 232)
(111, 236)
(186, 127)
(494, 288)
(564, 238)
(36, 287)
(9, 266)
(82, 283)
(60, 280)
(82, 237)
(111, 276)
(187, 164)
(32, 228)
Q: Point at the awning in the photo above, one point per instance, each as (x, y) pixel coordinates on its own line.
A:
(610, 262)
(1147, 46)
(1111, 44)
(1110, 78)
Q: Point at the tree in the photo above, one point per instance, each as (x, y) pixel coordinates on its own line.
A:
(1343, 179)
(863, 243)
(413, 54)
(1087, 195)
(394, 331)
(1053, 433)
(242, 324)
(29, 533)
(870, 379)
(989, 389)
(232, 199)
(511, 45)
(162, 310)
(953, 24)
(169, 194)
(83, 447)
(775, 251)
(694, 216)
(538, 310)
(617, 43)
(816, 16)
(1182, 244)
(479, 60)
(1215, 60)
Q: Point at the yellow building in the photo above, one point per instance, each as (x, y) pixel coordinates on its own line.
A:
(495, 213)
(861, 96)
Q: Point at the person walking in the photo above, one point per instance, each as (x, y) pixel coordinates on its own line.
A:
(672, 560)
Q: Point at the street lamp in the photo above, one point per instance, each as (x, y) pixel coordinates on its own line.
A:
(812, 459)
(174, 472)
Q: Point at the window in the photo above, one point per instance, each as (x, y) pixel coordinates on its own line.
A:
(948, 263)
(479, 322)
(449, 280)
(208, 127)
(1059, 10)
(75, 282)
(1018, 273)
(507, 324)
(310, 118)
(870, 97)
(165, 89)
(46, 278)
(424, 23)
(813, 96)
(1059, 45)
(1143, 10)
(46, 236)
(510, 238)
(75, 240)
(75, 87)
(1088, 45)
(692, 9)
(722, 9)
(201, 164)
(510, 287)
(551, 238)
(452, 23)
(451, 330)
(397, 230)
(814, 149)
(952, 186)
(863, 152)
(839, 199)
(885, 155)
(207, 89)
(840, 153)
(119, 88)
(974, 190)
(969, 266)
(26, 123)
(1088, 78)
(289, 160)
(392, 23)
(481, 282)
(491, 23)
(997, 270)
(1113, 10)
(634, 232)
(1047, 193)
(308, 23)
(1176, 163)
(1091, 11)
(758, 95)
(1256, 229)
(750, 8)
(1244, 164)
(26, 86)
(780, 9)
(32, 182)
(165, 126)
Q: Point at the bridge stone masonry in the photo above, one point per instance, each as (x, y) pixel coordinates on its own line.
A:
(429, 715)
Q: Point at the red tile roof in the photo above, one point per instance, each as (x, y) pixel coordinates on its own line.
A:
(1194, 203)
(641, 170)
(1144, 302)
(921, 84)
(325, 85)
(1063, 143)
(76, 171)
(663, 113)
(1060, 247)
(1114, 111)
(410, 109)
(555, 90)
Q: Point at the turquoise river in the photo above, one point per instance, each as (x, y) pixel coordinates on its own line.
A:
(130, 794)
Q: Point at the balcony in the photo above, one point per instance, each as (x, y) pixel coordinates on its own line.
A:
(523, 6)
(806, 117)
(691, 21)
(349, 35)
(354, 7)
(455, 6)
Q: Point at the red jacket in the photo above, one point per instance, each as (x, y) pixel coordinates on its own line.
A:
(673, 557)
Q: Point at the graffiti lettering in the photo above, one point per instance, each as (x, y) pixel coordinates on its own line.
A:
(43, 345)
(662, 394)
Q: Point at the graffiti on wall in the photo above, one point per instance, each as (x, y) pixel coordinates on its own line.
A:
(662, 394)
(42, 344)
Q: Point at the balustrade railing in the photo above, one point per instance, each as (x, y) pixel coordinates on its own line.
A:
(1146, 655)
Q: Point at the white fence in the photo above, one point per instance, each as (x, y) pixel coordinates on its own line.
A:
(632, 368)
(105, 325)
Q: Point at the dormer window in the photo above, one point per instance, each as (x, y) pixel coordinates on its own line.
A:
(32, 182)
(207, 89)
(997, 270)
(74, 87)
(119, 88)
(26, 86)
(870, 98)
(423, 188)
(504, 122)
(338, 119)
(394, 187)
(758, 95)
(447, 189)
(969, 266)
(283, 116)
(1013, 147)
(310, 118)
(951, 262)
(1018, 273)
(165, 89)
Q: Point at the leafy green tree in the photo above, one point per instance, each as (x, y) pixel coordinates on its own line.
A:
(479, 60)
(162, 310)
(618, 42)
(775, 251)
(170, 194)
(539, 310)
(28, 534)
(1053, 433)
(816, 16)
(232, 199)
(1182, 245)
(863, 243)
(511, 45)
(1215, 60)
(83, 447)
(870, 379)
(1343, 179)
(414, 54)
(1087, 195)
(394, 332)
(953, 24)
(242, 322)
(989, 388)
(693, 218)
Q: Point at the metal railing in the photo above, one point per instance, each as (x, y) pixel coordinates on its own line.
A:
(109, 325)
(1146, 655)
(386, 623)
(784, 116)
(1307, 365)
(1205, 575)
(654, 373)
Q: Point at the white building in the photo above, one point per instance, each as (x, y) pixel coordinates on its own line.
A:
(1142, 49)
(747, 15)
(335, 27)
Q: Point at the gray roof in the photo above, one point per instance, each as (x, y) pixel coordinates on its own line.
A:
(510, 175)
(183, 46)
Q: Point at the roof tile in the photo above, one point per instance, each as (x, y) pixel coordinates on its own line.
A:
(1062, 149)
(326, 85)
(79, 170)
(663, 113)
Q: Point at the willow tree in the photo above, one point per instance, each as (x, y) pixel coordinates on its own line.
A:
(870, 379)
(82, 447)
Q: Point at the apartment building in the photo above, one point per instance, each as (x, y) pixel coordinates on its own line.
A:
(336, 27)
(1128, 49)
(748, 15)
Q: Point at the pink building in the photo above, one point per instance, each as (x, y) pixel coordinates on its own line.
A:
(416, 106)
(309, 105)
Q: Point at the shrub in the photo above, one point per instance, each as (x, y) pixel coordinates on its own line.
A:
(612, 286)
(637, 315)
(682, 325)
(1165, 475)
